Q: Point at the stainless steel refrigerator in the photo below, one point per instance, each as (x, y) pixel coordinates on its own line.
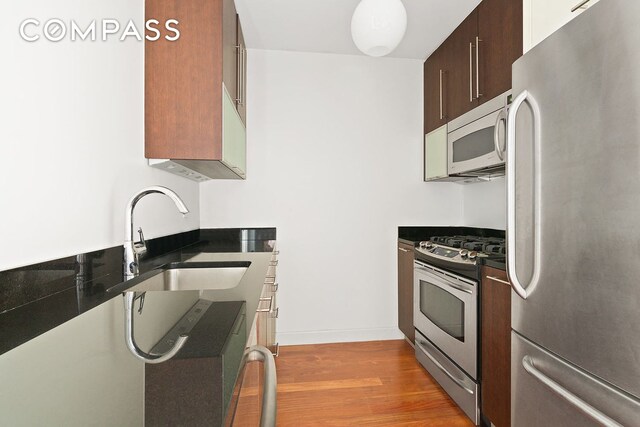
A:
(573, 223)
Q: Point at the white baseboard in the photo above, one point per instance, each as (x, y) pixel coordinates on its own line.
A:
(333, 336)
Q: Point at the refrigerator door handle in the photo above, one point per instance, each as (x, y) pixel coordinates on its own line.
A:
(523, 290)
(527, 363)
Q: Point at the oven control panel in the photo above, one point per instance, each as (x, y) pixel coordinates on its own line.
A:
(462, 256)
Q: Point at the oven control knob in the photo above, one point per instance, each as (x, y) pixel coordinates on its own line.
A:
(464, 253)
(473, 254)
(428, 245)
(423, 245)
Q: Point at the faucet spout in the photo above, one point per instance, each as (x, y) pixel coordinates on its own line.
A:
(131, 252)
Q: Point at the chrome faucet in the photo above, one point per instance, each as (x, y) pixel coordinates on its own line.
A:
(133, 251)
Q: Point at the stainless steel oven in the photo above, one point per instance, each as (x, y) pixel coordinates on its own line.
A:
(446, 320)
(475, 140)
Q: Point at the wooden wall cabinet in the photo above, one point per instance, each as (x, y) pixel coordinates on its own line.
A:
(496, 347)
(476, 61)
(405, 290)
(435, 80)
(195, 90)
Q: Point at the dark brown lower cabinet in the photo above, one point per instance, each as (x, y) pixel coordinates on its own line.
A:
(496, 347)
(405, 290)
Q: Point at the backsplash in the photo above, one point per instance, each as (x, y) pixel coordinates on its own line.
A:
(39, 297)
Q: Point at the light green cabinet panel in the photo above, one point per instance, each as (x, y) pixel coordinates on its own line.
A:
(234, 137)
(435, 152)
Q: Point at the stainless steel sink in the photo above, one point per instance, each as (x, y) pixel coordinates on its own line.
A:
(195, 276)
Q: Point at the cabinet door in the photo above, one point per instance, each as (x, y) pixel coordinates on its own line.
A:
(496, 347)
(434, 76)
(459, 58)
(241, 98)
(405, 290)
(229, 48)
(499, 45)
(435, 154)
(543, 17)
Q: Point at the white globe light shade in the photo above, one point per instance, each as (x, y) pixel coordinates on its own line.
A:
(378, 26)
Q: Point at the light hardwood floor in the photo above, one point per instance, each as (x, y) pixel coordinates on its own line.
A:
(376, 383)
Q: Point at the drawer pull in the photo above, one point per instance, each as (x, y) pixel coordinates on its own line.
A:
(495, 279)
(270, 306)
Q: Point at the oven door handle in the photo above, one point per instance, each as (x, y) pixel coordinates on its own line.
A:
(452, 377)
(446, 281)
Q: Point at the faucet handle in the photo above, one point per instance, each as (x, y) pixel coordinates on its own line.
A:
(140, 247)
(141, 234)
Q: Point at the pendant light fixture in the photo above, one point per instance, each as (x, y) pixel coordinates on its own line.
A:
(378, 26)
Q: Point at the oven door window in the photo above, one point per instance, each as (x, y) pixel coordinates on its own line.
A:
(474, 145)
(443, 309)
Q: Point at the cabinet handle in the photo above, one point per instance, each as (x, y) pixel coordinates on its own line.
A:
(273, 263)
(239, 74)
(495, 279)
(478, 94)
(274, 287)
(242, 76)
(441, 114)
(403, 249)
(269, 307)
(580, 5)
(276, 313)
(470, 72)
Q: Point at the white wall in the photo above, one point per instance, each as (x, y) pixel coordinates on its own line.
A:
(484, 204)
(335, 163)
(72, 138)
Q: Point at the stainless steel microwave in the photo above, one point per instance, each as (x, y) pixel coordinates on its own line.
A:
(475, 140)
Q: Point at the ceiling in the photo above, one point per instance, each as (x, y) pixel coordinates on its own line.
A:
(325, 25)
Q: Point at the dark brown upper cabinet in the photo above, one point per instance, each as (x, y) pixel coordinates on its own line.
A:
(500, 44)
(435, 81)
(476, 59)
(195, 88)
(459, 51)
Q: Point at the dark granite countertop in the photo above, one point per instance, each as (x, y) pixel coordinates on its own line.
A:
(37, 298)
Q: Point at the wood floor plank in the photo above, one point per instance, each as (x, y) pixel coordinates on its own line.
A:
(376, 383)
